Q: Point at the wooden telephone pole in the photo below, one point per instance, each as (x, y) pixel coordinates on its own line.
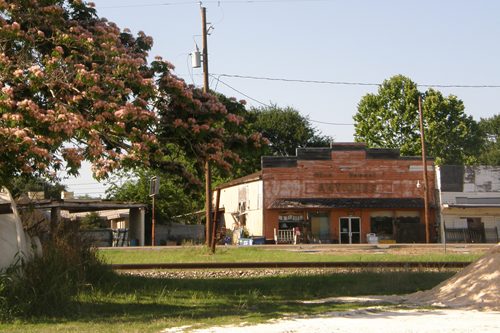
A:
(424, 166)
(208, 171)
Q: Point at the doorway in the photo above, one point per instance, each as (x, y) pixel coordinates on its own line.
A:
(320, 226)
(350, 230)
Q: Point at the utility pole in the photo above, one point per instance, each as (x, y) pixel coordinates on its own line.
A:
(204, 34)
(208, 171)
(424, 166)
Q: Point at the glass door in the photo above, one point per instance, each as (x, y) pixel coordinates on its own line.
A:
(355, 230)
(350, 230)
(344, 231)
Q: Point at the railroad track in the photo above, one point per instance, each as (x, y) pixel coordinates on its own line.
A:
(249, 265)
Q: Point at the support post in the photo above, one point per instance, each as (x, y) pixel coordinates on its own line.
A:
(208, 173)
(215, 221)
(208, 203)
(55, 219)
(205, 48)
(153, 222)
(424, 166)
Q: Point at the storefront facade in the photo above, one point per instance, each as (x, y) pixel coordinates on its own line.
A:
(344, 193)
(470, 203)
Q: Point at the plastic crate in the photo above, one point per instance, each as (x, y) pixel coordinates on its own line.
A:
(245, 241)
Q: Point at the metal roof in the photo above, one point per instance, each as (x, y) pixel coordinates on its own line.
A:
(75, 205)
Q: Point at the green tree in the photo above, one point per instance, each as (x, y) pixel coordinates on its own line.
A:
(490, 127)
(198, 127)
(24, 184)
(174, 199)
(286, 129)
(92, 221)
(390, 119)
(452, 136)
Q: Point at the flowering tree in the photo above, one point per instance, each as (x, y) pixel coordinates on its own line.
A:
(198, 126)
(72, 87)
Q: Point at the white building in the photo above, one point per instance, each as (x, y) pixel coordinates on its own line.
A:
(470, 203)
(241, 204)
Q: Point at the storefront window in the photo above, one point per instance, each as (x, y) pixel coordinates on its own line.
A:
(290, 221)
(382, 226)
(408, 219)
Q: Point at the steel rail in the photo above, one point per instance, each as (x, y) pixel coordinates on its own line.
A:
(246, 265)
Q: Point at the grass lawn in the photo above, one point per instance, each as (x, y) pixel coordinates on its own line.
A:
(190, 254)
(140, 304)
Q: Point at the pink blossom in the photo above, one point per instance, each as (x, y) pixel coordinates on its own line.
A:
(20, 133)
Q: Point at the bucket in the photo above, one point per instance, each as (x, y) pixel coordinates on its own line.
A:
(372, 238)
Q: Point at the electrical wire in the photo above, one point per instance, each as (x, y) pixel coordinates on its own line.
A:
(218, 2)
(264, 104)
(239, 92)
(297, 80)
(351, 83)
(152, 4)
(328, 123)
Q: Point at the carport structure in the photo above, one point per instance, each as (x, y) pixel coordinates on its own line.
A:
(136, 211)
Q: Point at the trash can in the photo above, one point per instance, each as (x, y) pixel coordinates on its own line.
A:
(372, 238)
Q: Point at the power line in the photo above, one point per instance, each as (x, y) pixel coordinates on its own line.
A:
(239, 92)
(175, 3)
(297, 80)
(345, 83)
(264, 104)
(328, 123)
(152, 4)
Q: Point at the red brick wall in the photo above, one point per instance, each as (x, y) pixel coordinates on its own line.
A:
(348, 175)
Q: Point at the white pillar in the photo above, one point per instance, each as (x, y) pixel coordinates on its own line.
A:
(136, 225)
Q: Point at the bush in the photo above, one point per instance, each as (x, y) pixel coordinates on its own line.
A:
(47, 285)
(92, 221)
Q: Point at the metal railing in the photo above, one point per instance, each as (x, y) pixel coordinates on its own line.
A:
(469, 235)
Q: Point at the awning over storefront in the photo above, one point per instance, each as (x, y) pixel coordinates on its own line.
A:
(471, 209)
(471, 205)
(322, 203)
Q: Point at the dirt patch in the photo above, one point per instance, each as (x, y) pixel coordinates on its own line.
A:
(372, 320)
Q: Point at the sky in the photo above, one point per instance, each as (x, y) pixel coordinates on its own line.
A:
(359, 42)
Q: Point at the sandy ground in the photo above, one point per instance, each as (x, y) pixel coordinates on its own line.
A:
(396, 321)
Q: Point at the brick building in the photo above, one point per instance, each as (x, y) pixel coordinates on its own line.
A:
(333, 195)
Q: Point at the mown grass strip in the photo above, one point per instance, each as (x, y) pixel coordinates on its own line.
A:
(144, 304)
(200, 254)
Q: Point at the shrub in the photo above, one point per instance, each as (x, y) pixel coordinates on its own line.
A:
(47, 285)
(92, 221)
